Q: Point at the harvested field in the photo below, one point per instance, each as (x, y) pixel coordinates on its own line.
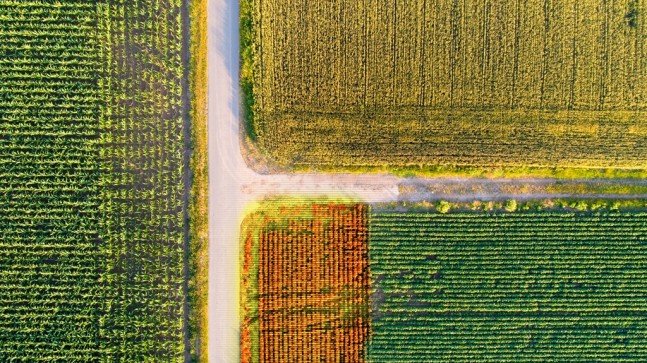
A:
(550, 83)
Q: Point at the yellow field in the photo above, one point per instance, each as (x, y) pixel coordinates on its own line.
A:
(550, 83)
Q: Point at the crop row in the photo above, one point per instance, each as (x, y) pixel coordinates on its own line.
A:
(446, 54)
(50, 300)
(142, 139)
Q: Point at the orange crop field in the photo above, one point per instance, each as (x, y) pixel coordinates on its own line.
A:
(305, 284)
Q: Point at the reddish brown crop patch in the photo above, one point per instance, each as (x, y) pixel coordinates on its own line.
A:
(312, 281)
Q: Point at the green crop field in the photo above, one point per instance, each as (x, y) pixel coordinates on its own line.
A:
(474, 83)
(508, 287)
(50, 261)
(93, 188)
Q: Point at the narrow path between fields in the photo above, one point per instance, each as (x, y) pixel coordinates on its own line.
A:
(233, 187)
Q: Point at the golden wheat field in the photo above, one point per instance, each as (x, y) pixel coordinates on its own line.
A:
(552, 83)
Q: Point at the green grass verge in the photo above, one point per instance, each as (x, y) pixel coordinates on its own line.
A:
(249, 288)
(198, 208)
(566, 205)
(597, 188)
(438, 171)
(247, 67)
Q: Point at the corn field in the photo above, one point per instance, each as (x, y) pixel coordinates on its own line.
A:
(143, 190)
(446, 82)
(92, 181)
(50, 297)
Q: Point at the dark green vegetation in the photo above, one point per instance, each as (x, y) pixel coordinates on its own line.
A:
(432, 87)
(93, 188)
(247, 67)
(516, 287)
(50, 254)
